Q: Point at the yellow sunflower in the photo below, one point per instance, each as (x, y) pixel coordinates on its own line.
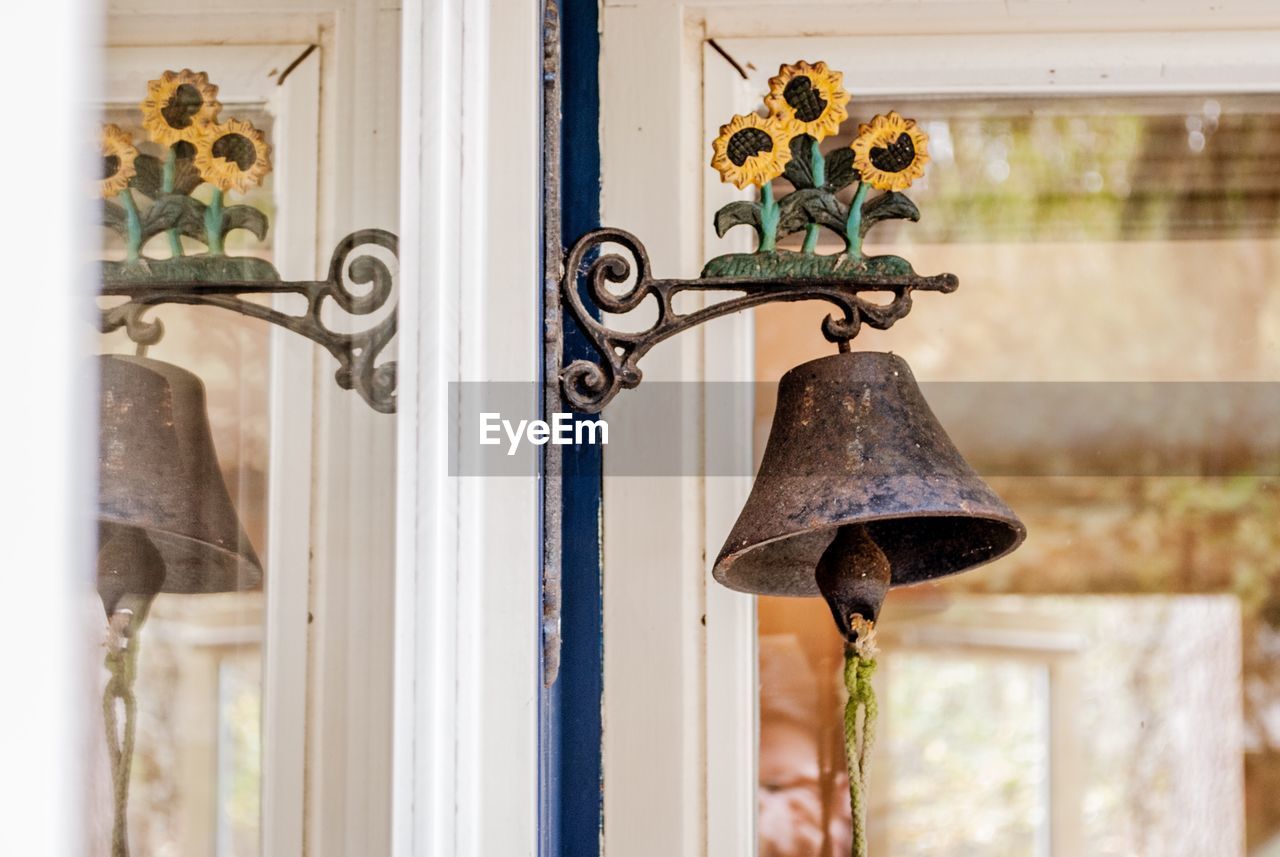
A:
(891, 152)
(752, 150)
(233, 155)
(118, 155)
(811, 95)
(178, 105)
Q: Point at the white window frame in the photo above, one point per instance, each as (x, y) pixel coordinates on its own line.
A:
(468, 552)
(47, 522)
(680, 733)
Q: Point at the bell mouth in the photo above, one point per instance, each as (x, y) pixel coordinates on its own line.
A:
(854, 442)
(159, 475)
(919, 547)
(193, 566)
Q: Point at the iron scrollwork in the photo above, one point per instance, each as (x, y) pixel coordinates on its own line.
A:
(589, 385)
(351, 265)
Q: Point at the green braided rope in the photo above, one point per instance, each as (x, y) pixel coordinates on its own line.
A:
(122, 664)
(857, 742)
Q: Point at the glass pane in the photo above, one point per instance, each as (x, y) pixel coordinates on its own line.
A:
(1065, 280)
(960, 767)
(1096, 240)
(239, 806)
(183, 761)
(246, 498)
(1143, 758)
(967, 767)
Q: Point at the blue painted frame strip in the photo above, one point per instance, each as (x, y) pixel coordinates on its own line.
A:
(571, 718)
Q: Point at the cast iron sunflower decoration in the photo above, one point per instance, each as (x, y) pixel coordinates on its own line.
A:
(147, 196)
(811, 95)
(233, 156)
(754, 151)
(891, 152)
(751, 150)
(178, 105)
(806, 104)
(118, 157)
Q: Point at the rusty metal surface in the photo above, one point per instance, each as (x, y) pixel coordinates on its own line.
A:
(552, 343)
(197, 148)
(854, 442)
(357, 353)
(590, 385)
(158, 475)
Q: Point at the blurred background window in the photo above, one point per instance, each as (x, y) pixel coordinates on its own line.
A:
(1112, 688)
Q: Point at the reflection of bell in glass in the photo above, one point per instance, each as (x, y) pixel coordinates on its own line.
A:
(166, 521)
(860, 489)
(165, 524)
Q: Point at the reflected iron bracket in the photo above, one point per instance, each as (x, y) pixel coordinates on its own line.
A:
(351, 265)
(589, 385)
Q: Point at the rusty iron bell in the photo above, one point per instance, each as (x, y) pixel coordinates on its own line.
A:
(166, 522)
(860, 489)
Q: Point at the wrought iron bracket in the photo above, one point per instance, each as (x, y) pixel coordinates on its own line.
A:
(589, 385)
(351, 265)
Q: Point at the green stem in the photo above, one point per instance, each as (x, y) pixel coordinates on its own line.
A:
(769, 214)
(819, 179)
(213, 223)
(166, 185)
(853, 226)
(133, 225)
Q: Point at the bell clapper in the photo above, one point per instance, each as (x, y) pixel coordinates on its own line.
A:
(131, 571)
(853, 576)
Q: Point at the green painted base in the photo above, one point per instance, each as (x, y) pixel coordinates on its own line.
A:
(190, 269)
(786, 263)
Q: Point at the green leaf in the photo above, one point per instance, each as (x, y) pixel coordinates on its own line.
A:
(840, 171)
(799, 170)
(888, 206)
(174, 211)
(248, 217)
(150, 177)
(114, 218)
(813, 205)
(792, 216)
(150, 173)
(186, 177)
(736, 214)
(163, 214)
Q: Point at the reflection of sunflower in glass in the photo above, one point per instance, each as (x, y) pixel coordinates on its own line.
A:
(177, 105)
(118, 155)
(812, 95)
(233, 155)
(752, 150)
(891, 152)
